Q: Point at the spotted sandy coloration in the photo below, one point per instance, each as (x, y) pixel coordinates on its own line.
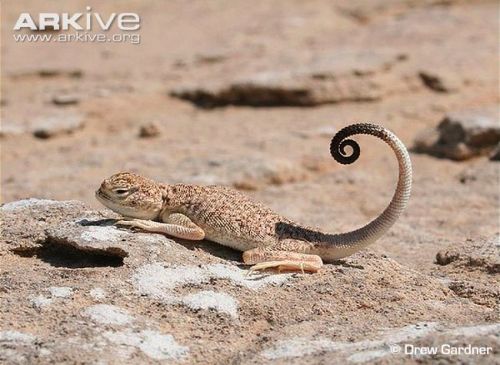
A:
(228, 217)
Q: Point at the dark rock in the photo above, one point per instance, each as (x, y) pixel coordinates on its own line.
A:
(495, 155)
(460, 136)
(65, 99)
(50, 72)
(342, 77)
(48, 127)
(149, 130)
(440, 81)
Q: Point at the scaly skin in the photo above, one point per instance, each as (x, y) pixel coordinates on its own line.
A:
(226, 216)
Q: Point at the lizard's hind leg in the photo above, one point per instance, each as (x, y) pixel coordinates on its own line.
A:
(266, 258)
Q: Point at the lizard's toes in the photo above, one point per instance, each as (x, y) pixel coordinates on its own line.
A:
(127, 224)
(263, 266)
(123, 222)
(286, 265)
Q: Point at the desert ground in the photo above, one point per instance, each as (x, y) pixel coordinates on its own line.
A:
(248, 94)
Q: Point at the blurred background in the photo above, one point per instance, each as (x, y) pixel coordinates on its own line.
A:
(248, 94)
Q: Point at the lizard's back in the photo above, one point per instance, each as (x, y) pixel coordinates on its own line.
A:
(226, 215)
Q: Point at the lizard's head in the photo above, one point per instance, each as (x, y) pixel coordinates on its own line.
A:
(131, 195)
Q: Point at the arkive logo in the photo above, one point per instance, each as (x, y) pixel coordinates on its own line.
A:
(79, 21)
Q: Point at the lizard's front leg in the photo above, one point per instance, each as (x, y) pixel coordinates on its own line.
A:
(176, 225)
(265, 258)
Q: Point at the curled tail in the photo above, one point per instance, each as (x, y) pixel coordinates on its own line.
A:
(334, 246)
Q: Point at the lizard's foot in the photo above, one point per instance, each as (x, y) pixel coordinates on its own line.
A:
(263, 259)
(135, 223)
(286, 265)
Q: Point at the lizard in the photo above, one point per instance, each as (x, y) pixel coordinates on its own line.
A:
(228, 217)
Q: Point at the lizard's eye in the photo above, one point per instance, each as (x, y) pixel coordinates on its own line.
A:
(121, 191)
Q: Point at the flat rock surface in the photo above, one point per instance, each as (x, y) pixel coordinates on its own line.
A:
(143, 297)
(249, 96)
(343, 76)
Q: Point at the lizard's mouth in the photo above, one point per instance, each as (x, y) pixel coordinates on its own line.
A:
(100, 195)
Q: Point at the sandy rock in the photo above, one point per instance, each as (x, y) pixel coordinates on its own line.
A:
(441, 80)
(108, 314)
(65, 99)
(61, 291)
(154, 344)
(350, 75)
(48, 127)
(149, 130)
(495, 155)
(472, 270)
(211, 57)
(220, 302)
(16, 347)
(246, 173)
(160, 284)
(48, 72)
(482, 255)
(105, 239)
(40, 302)
(24, 221)
(7, 129)
(98, 294)
(68, 233)
(52, 72)
(460, 136)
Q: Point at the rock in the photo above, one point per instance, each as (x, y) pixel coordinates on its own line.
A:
(149, 130)
(163, 294)
(7, 129)
(495, 155)
(460, 136)
(350, 75)
(472, 270)
(48, 72)
(52, 72)
(98, 294)
(61, 291)
(68, 234)
(65, 99)
(102, 238)
(41, 302)
(108, 314)
(220, 302)
(440, 81)
(246, 173)
(355, 351)
(478, 292)
(153, 344)
(17, 347)
(48, 127)
(210, 57)
(24, 221)
(483, 255)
